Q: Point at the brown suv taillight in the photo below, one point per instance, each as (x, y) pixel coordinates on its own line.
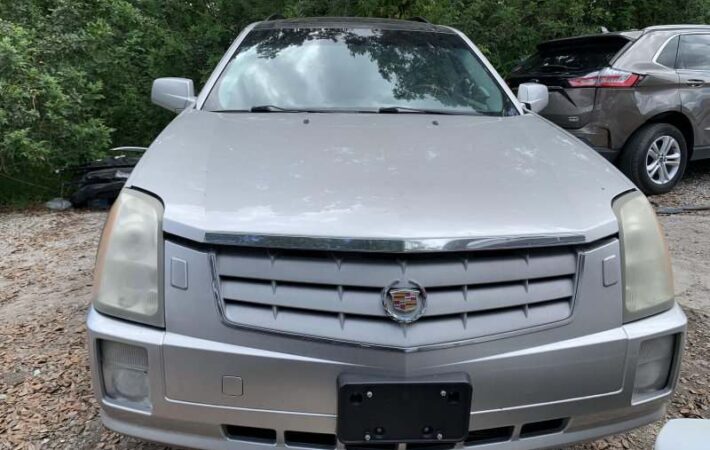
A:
(606, 78)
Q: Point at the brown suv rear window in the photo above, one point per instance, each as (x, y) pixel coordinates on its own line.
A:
(572, 55)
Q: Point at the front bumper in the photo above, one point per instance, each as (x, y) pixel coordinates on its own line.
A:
(588, 382)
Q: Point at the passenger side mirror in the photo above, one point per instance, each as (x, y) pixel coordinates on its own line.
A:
(173, 94)
(534, 96)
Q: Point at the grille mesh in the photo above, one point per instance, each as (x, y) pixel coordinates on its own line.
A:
(338, 295)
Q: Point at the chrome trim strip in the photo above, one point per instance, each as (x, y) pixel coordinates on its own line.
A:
(391, 245)
(492, 70)
(667, 41)
(221, 66)
(663, 47)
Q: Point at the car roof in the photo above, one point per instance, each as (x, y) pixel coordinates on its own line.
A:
(630, 35)
(352, 22)
(680, 27)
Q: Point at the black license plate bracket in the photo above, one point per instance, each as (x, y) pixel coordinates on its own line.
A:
(394, 410)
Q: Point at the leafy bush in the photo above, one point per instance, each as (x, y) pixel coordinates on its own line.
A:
(75, 75)
(48, 115)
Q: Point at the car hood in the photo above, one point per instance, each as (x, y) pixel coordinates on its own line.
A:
(377, 176)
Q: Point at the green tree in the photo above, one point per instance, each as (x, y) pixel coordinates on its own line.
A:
(75, 75)
(49, 116)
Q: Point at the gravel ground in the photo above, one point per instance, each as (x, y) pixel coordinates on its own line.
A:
(692, 190)
(46, 261)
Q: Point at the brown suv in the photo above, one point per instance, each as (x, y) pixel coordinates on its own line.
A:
(641, 98)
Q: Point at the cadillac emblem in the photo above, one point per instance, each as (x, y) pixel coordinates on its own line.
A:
(405, 304)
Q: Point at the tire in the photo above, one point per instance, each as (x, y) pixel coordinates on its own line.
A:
(653, 166)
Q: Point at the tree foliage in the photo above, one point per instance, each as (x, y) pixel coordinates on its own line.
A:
(75, 75)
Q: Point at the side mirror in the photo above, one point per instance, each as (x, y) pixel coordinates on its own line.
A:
(534, 96)
(173, 94)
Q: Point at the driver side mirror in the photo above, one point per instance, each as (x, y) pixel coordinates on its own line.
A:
(173, 94)
(534, 96)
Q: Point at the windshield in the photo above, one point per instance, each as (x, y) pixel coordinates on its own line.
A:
(362, 70)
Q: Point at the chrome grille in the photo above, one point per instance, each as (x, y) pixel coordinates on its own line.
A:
(337, 295)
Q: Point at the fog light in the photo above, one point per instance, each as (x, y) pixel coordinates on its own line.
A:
(125, 373)
(653, 368)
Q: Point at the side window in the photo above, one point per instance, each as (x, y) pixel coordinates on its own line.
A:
(694, 52)
(668, 54)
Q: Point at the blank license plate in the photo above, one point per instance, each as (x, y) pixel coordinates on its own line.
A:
(423, 410)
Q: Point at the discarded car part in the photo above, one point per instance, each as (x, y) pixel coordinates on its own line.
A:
(116, 161)
(105, 175)
(100, 181)
(58, 204)
(97, 195)
(129, 149)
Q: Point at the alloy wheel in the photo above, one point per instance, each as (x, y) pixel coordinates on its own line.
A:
(663, 159)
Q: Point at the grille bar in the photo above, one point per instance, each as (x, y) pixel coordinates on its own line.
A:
(385, 332)
(378, 270)
(368, 302)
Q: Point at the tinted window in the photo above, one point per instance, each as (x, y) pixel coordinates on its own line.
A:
(357, 69)
(573, 57)
(668, 54)
(694, 52)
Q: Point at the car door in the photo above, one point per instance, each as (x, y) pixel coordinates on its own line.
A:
(693, 65)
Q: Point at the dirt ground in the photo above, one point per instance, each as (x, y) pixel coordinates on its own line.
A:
(46, 262)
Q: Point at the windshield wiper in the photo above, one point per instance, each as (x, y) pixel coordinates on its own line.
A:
(266, 108)
(384, 110)
(263, 108)
(274, 108)
(404, 109)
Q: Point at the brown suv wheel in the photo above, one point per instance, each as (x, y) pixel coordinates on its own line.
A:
(655, 158)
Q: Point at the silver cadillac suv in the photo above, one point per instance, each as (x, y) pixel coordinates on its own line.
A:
(356, 237)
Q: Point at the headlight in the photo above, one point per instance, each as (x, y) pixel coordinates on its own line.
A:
(646, 264)
(127, 281)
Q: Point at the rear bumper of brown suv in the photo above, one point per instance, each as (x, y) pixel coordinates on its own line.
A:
(598, 138)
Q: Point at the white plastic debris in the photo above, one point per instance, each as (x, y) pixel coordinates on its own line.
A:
(58, 204)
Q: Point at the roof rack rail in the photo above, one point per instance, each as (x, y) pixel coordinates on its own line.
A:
(275, 16)
(418, 19)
